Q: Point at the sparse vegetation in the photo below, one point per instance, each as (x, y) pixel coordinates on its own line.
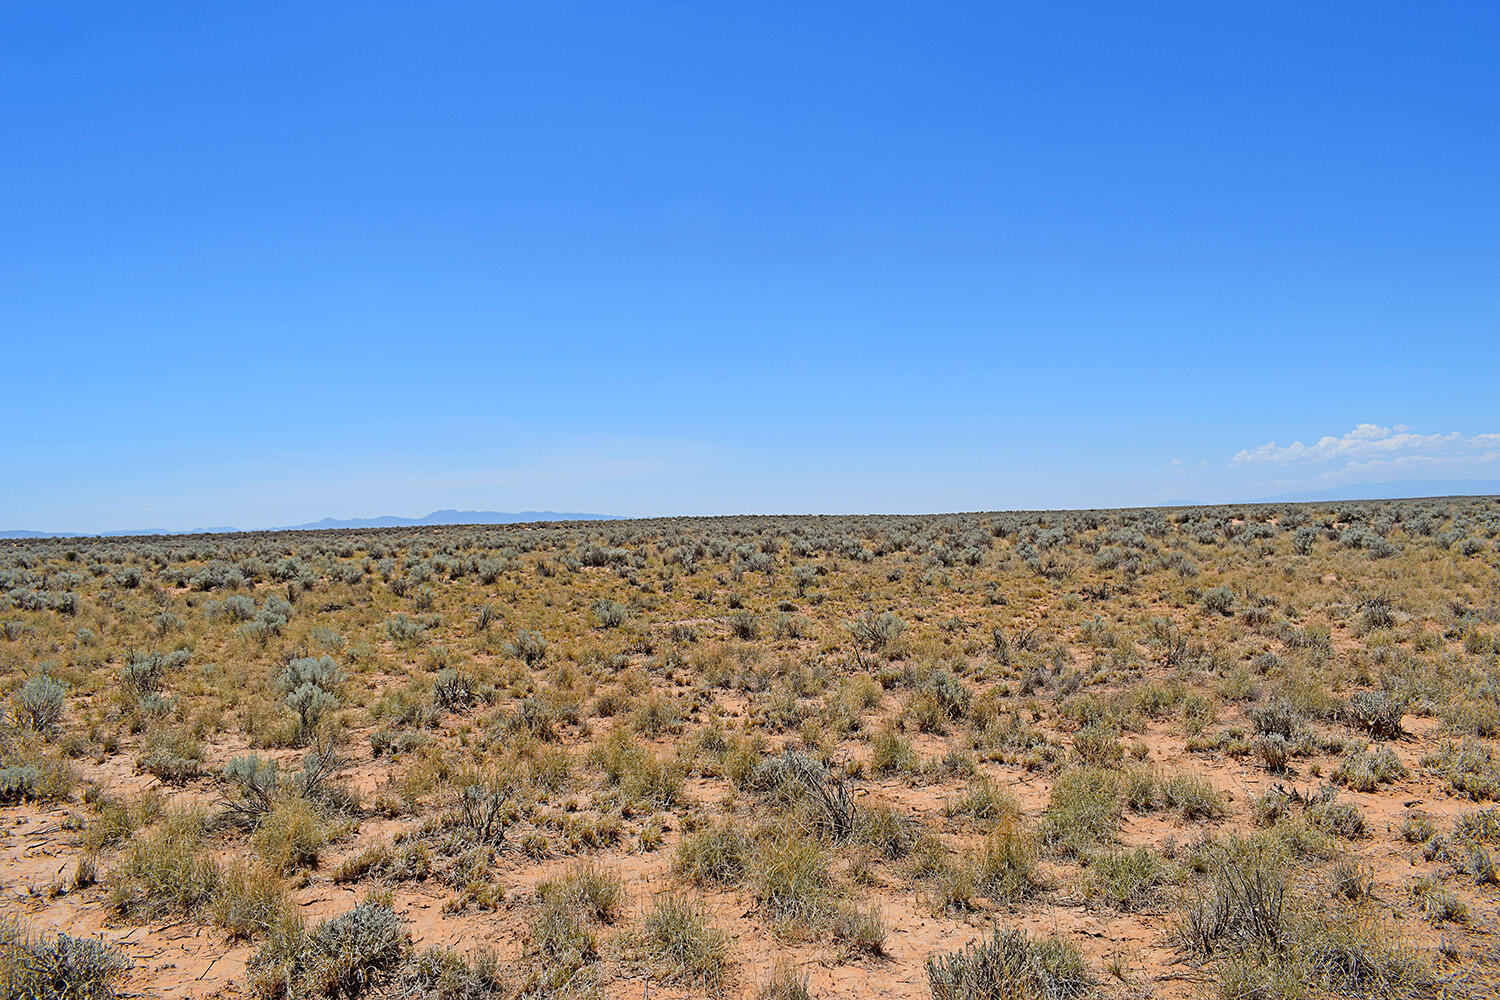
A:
(623, 750)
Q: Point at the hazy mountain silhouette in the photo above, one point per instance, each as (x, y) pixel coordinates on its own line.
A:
(449, 517)
(1396, 491)
(386, 521)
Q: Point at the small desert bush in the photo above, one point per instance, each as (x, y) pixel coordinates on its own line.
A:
(857, 931)
(256, 781)
(1418, 827)
(1084, 811)
(1267, 940)
(1275, 752)
(609, 614)
(1350, 879)
(1480, 826)
(165, 871)
(885, 829)
(1003, 869)
(588, 888)
(39, 703)
(784, 983)
(744, 625)
(1466, 716)
(1125, 879)
(714, 855)
(817, 792)
(116, 819)
(438, 973)
(565, 942)
(483, 804)
(173, 755)
(1098, 745)
(639, 774)
(791, 878)
(1010, 964)
(528, 646)
(680, 938)
(1375, 713)
(873, 633)
(30, 774)
(345, 956)
(1192, 796)
(1365, 769)
(1243, 902)
(412, 861)
(41, 967)
(1219, 600)
(1299, 836)
(290, 836)
(452, 690)
(1277, 717)
(985, 800)
(250, 902)
(562, 929)
(890, 753)
(1439, 905)
(1469, 768)
(309, 686)
(1342, 819)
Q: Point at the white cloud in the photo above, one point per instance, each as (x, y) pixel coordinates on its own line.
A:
(1369, 447)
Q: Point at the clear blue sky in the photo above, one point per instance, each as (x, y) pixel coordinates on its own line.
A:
(264, 263)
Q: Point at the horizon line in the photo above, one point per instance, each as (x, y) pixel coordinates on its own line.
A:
(22, 534)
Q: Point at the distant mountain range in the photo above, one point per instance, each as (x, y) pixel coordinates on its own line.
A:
(1396, 491)
(450, 517)
(18, 533)
(328, 523)
(1357, 491)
